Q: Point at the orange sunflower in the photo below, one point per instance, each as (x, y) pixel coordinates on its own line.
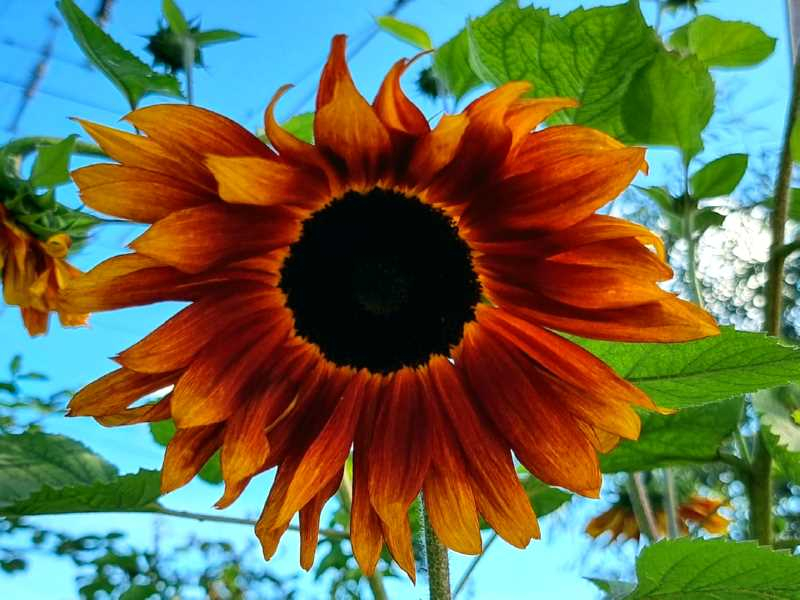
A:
(33, 274)
(390, 288)
(620, 521)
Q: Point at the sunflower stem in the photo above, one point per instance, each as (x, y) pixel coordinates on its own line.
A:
(463, 581)
(640, 502)
(437, 560)
(671, 504)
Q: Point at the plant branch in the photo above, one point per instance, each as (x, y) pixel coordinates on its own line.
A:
(641, 506)
(463, 581)
(788, 544)
(671, 504)
(437, 560)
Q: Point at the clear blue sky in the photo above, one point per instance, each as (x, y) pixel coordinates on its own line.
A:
(289, 39)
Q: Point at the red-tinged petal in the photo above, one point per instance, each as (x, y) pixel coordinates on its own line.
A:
(398, 540)
(148, 413)
(245, 448)
(449, 500)
(394, 108)
(552, 198)
(524, 115)
(116, 391)
(144, 153)
(311, 469)
(269, 539)
(210, 389)
(627, 255)
(197, 239)
(175, 343)
(180, 128)
(435, 150)
(186, 454)
(251, 180)
(346, 126)
(498, 493)
(400, 452)
(546, 439)
(136, 194)
(309, 521)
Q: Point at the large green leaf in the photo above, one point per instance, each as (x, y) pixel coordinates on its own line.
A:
(162, 432)
(709, 370)
(669, 102)
(451, 66)
(51, 167)
(719, 177)
(723, 43)
(777, 410)
(31, 460)
(127, 72)
(135, 492)
(589, 55)
(693, 435)
(691, 569)
(301, 126)
(174, 16)
(411, 34)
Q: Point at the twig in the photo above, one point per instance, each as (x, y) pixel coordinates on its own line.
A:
(671, 504)
(103, 13)
(36, 76)
(640, 502)
(463, 581)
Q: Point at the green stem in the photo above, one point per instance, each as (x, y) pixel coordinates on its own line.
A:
(761, 493)
(463, 581)
(26, 145)
(188, 66)
(437, 560)
(741, 446)
(671, 504)
(788, 544)
(640, 502)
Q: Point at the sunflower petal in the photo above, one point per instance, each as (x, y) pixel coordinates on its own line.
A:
(394, 108)
(116, 391)
(309, 522)
(187, 452)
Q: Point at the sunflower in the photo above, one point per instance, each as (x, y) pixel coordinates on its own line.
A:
(33, 274)
(390, 288)
(620, 520)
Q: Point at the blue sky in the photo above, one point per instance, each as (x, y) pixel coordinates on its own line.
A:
(289, 40)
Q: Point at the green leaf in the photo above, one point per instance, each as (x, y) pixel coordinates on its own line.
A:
(661, 196)
(723, 43)
(416, 36)
(615, 590)
(708, 370)
(134, 78)
(590, 55)
(301, 126)
(29, 461)
(451, 66)
(51, 167)
(16, 364)
(693, 435)
(545, 499)
(776, 410)
(162, 432)
(669, 102)
(174, 16)
(705, 218)
(216, 36)
(719, 177)
(134, 492)
(794, 141)
(691, 569)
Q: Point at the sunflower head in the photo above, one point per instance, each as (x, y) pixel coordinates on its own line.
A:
(390, 290)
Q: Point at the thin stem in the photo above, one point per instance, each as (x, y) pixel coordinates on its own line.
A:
(182, 514)
(641, 506)
(188, 66)
(26, 145)
(740, 466)
(741, 446)
(438, 563)
(761, 493)
(463, 581)
(671, 504)
(689, 209)
(375, 580)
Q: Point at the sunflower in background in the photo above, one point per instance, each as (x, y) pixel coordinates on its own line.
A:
(389, 289)
(33, 274)
(697, 511)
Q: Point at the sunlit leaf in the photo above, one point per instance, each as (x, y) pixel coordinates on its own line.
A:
(721, 43)
(703, 371)
(776, 410)
(693, 569)
(719, 177)
(134, 78)
(216, 36)
(669, 102)
(51, 167)
(451, 66)
(411, 34)
(174, 16)
(301, 126)
(692, 435)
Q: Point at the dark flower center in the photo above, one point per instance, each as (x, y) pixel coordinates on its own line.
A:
(380, 281)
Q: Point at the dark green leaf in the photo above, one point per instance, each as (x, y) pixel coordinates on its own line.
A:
(545, 499)
(776, 410)
(215, 36)
(693, 435)
(709, 370)
(127, 72)
(669, 103)
(29, 461)
(724, 43)
(451, 66)
(162, 431)
(661, 196)
(411, 34)
(691, 569)
(16, 364)
(589, 55)
(705, 218)
(794, 141)
(719, 177)
(174, 16)
(134, 492)
(51, 167)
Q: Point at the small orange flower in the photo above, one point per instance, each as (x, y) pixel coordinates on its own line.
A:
(702, 512)
(33, 274)
(390, 288)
